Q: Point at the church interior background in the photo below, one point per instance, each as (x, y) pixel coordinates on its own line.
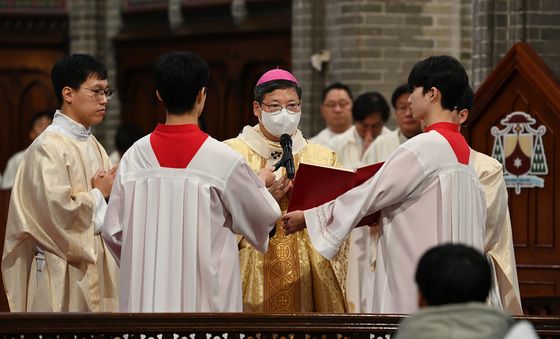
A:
(369, 44)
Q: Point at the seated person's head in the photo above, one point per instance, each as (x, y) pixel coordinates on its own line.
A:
(408, 126)
(452, 274)
(370, 111)
(436, 81)
(461, 112)
(81, 87)
(336, 107)
(39, 121)
(277, 103)
(180, 79)
(126, 136)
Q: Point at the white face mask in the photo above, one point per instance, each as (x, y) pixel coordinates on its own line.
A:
(280, 122)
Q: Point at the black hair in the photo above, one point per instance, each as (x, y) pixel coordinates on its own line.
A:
(336, 85)
(179, 77)
(368, 104)
(127, 134)
(453, 273)
(74, 70)
(442, 72)
(270, 86)
(466, 100)
(39, 115)
(402, 89)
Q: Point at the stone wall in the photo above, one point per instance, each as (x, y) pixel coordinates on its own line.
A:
(500, 23)
(93, 25)
(373, 44)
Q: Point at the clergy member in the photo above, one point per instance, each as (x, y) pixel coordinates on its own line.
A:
(39, 121)
(291, 276)
(408, 127)
(336, 109)
(498, 240)
(179, 198)
(426, 191)
(54, 257)
(362, 263)
(370, 112)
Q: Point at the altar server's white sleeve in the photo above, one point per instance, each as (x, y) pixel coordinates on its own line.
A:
(100, 210)
(329, 224)
(113, 223)
(253, 210)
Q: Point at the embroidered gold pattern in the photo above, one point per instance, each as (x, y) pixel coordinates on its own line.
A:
(281, 276)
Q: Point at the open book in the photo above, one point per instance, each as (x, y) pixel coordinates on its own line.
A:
(315, 185)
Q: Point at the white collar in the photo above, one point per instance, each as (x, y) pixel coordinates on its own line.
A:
(65, 125)
(267, 148)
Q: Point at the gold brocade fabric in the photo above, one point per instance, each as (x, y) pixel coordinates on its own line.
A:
(52, 260)
(291, 276)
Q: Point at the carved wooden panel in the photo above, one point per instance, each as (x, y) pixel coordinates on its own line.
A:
(236, 55)
(516, 118)
(25, 88)
(216, 325)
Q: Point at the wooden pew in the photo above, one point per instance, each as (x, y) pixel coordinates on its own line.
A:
(216, 326)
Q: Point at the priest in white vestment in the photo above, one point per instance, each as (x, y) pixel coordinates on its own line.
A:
(370, 111)
(39, 121)
(498, 238)
(336, 109)
(54, 258)
(362, 264)
(179, 199)
(426, 191)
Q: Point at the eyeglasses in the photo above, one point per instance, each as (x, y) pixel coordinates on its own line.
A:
(292, 107)
(333, 104)
(99, 93)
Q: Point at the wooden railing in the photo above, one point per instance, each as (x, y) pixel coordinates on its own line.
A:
(215, 326)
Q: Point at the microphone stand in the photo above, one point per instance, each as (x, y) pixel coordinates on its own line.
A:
(287, 161)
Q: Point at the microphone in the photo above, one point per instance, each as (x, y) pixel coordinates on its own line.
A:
(287, 159)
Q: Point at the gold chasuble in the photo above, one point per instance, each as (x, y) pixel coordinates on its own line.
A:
(291, 276)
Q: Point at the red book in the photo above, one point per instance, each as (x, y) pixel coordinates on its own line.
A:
(315, 185)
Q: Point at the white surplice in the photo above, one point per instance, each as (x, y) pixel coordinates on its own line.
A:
(11, 169)
(349, 147)
(174, 228)
(498, 233)
(426, 197)
(323, 137)
(382, 147)
(498, 239)
(360, 269)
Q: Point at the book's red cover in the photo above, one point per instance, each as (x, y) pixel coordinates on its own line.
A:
(315, 185)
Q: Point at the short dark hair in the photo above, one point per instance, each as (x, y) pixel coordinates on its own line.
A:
(442, 72)
(40, 114)
(127, 134)
(402, 89)
(74, 70)
(453, 273)
(270, 86)
(179, 77)
(466, 100)
(336, 85)
(368, 104)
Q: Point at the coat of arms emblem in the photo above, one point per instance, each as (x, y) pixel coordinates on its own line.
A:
(519, 148)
